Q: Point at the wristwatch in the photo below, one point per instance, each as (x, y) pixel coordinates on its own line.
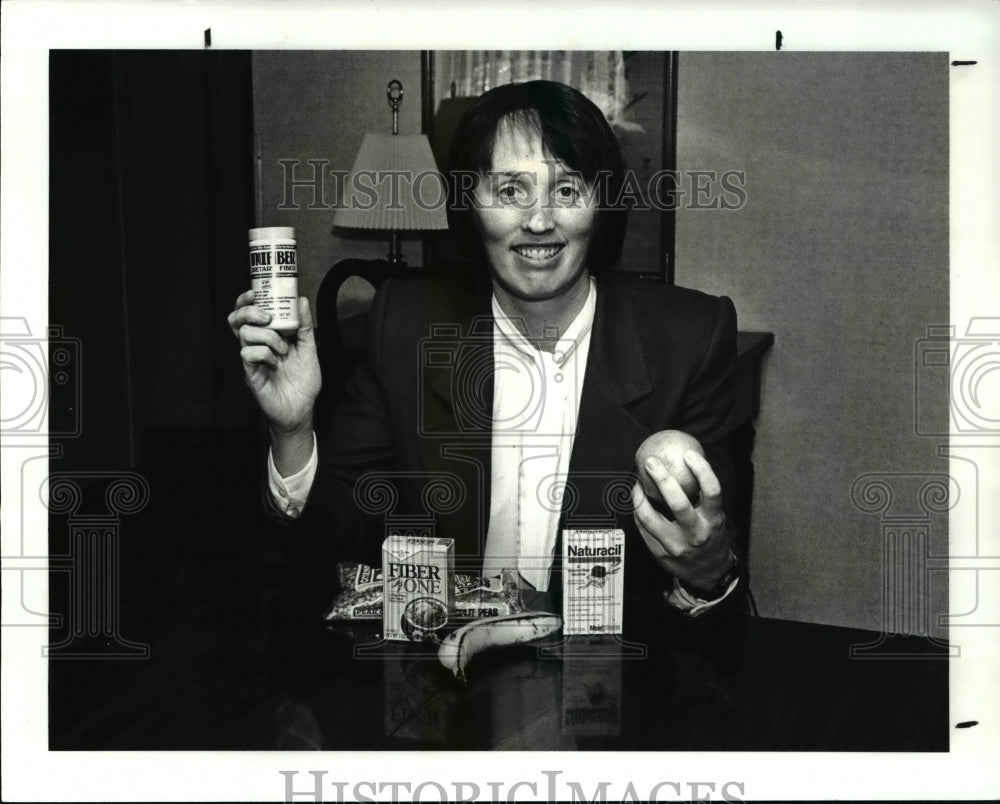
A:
(720, 587)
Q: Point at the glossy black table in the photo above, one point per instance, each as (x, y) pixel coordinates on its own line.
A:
(781, 686)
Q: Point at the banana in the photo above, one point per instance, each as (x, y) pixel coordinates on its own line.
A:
(459, 647)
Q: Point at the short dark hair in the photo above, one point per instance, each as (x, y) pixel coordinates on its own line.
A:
(572, 129)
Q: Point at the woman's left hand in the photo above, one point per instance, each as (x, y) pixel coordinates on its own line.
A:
(694, 548)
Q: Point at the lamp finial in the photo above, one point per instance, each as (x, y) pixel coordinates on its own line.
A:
(394, 93)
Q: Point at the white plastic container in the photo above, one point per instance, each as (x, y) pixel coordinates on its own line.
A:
(274, 275)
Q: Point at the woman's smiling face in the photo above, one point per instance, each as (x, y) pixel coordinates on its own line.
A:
(536, 218)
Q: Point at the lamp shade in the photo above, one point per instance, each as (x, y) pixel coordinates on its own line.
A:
(394, 185)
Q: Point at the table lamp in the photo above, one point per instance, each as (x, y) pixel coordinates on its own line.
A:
(394, 184)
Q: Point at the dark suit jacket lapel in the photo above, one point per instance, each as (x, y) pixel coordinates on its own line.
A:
(600, 471)
(616, 377)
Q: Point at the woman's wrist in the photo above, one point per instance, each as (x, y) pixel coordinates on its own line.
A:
(292, 449)
(716, 587)
(719, 586)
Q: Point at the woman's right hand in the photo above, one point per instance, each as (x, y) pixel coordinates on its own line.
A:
(284, 375)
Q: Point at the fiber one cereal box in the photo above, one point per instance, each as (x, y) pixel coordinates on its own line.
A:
(593, 585)
(418, 576)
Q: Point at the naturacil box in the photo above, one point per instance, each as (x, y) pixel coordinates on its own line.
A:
(418, 576)
(594, 571)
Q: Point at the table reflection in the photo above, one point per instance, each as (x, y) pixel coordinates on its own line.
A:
(774, 686)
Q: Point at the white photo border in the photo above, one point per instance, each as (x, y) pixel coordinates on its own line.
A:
(968, 31)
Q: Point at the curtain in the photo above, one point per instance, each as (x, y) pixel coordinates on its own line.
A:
(598, 74)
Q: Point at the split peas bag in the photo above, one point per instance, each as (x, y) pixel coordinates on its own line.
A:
(361, 596)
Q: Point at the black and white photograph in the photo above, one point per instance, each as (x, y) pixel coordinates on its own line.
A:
(390, 419)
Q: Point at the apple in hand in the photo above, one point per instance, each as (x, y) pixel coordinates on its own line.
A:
(669, 446)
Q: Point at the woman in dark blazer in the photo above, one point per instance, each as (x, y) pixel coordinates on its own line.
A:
(536, 178)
